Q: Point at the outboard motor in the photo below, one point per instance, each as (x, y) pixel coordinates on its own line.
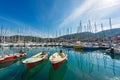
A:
(60, 51)
(112, 50)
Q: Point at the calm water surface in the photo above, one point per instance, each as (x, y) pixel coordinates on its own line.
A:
(81, 65)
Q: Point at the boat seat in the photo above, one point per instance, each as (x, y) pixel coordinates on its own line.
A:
(1, 58)
(11, 54)
(6, 55)
(61, 55)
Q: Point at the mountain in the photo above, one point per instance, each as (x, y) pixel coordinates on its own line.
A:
(16, 38)
(101, 34)
(83, 35)
(78, 35)
(109, 33)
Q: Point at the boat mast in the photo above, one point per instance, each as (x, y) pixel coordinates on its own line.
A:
(67, 30)
(110, 32)
(56, 37)
(15, 39)
(4, 36)
(19, 40)
(85, 30)
(24, 40)
(2, 40)
(70, 33)
(89, 25)
(60, 36)
(19, 34)
(95, 31)
(80, 30)
(102, 32)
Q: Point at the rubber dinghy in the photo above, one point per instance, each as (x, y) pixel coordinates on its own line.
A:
(36, 59)
(57, 59)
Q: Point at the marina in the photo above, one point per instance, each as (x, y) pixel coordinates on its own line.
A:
(59, 40)
(63, 57)
(60, 58)
(80, 65)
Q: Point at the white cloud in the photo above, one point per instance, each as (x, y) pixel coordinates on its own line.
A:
(92, 9)
(77, 12)
(107, 3)
(102, 9)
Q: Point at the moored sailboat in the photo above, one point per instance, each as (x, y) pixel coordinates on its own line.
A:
(78, 44)
(114, 50)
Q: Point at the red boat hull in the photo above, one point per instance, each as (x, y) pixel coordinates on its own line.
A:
(7, 59)
(57, 65)
(31, 65)
(14, 57)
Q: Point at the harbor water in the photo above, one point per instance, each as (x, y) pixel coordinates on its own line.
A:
(80, 65)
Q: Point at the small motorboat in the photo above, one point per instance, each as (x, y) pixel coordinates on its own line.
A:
(12, 57)
(113, 51)
(57, 59)
(104, 46)
(90, 47)
(78, 47)
(36, 59)
(67, 46)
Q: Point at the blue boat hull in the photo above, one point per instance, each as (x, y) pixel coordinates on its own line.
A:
(90, 48)
(66, 46)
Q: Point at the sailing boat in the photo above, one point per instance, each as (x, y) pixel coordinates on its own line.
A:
(10, 57)
(67, 44)
(103, 45)
(90, 46)
(79, 46)
(114, 49)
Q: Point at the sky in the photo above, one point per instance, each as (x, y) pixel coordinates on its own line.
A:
(51, 18)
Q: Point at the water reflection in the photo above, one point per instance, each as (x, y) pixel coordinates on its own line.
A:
(81, 65)
(113, 56)
(30, 73)
(59, 73)
(78, 50)
(82, 51)
(7, 64)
